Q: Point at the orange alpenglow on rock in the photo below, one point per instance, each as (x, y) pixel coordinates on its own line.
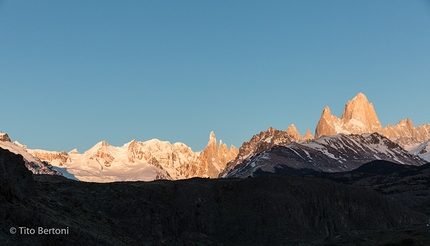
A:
(359, 117)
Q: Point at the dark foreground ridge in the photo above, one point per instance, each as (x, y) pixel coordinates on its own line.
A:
(267, 210)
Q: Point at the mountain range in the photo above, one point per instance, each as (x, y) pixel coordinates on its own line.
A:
(145, 161)
(359, 116)
(340, 144)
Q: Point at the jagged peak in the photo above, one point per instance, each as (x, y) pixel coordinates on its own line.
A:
(292, 130)
(99, 145)
(132, 141)
(212, 136)
(360, 96)
(271, 129)
(308, 135)
(326, 112)
(232, 147)
(292, 126)
(362, 112)
(358, 106)
(358, 116)
(104, 143)
(131, 144)
(74, 151)
(407, 122)
(4, 137)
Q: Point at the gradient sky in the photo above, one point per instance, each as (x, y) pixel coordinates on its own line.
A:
(73, 73)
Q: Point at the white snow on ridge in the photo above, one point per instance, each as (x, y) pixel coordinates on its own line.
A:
(32, 163)
(18, 150)
(422, 150)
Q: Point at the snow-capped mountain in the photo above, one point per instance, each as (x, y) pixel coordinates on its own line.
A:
(155, 159)
(359, 116)
(258, 143)
(422, 150)
(35, 165)
(336, 153)
(149, 160)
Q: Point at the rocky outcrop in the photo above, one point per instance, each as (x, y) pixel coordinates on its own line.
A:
(214, 158)
(406, 134)
(308, 135)
(180, 161)
(327, 125)
(293, 132)
(258, 143)
(50, 156)
(4, 137)
(359, 117)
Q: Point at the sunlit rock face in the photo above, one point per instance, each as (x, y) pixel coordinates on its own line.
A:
(215, 157)
(359, 117)
(258, 143)
(308, 135)
(4, 137)
(406, 134)
(328, 124)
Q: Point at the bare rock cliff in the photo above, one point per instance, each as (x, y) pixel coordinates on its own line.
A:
(4, 137)
(327, 124)
(214, 158)
(359, 117)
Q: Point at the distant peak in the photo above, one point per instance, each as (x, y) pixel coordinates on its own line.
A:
(271, 129)
(292, 131)
(326, 111)
(74, 151)
(358, 117)
(308, 135)
(104, 143)
(360, 96)
(212, 136)
(4, 137)
(292, 126)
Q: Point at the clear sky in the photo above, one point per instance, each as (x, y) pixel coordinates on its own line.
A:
(73, 73)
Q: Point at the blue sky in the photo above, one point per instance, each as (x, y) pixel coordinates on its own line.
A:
(73, 73)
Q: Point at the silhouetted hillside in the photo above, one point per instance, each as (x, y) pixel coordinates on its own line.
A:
(267, 210)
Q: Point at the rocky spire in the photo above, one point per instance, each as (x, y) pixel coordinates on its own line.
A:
(215, 158)
(359, 116)
(308, 135)
(4, 137)
(326, 124)
(292, 131)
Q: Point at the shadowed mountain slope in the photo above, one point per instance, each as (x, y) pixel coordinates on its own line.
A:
(270, 210)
